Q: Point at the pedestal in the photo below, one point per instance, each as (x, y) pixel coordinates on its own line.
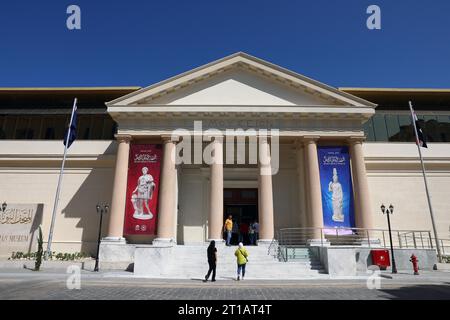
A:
(115, 253)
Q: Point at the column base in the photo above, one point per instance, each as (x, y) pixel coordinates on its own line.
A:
(164, 242)
(318, 243)
(114, 240)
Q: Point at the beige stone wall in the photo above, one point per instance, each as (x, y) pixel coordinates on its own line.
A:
(29, 173)
(395, 177)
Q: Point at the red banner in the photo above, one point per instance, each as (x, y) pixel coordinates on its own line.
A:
(141, 210)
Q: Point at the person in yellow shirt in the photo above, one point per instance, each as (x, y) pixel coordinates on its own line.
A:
(228, 227)
(241, 255)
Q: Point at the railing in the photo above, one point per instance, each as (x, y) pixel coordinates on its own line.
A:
(297, 237)
(301, 237)
(445, 246)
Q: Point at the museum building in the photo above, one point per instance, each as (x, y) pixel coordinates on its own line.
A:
(335, 155)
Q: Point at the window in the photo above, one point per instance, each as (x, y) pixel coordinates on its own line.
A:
(369, 131)
(444, 127)
(22, 128)
(379, 125)
(398, 127)
(52, 127)
(393, 127)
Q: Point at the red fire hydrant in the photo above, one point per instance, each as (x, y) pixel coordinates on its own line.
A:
(415, 264)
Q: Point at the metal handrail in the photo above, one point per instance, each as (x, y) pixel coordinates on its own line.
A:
(352, 236)
(290, 238)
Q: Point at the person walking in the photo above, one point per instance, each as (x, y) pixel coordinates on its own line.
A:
(251, 234)
(243, 232)
(212, 261)
(228, 227)
(255, 227)
(242, 259)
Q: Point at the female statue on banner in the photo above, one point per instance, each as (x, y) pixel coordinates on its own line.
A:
(337, 197)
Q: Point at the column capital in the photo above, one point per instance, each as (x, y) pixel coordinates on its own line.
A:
(166, 138)
(123, 137)
(298, 144)
(356, 139)
(310, 139)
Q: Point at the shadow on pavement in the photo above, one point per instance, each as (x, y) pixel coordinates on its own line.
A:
(422, 292)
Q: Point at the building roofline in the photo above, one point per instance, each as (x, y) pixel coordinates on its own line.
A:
(68, 88)
(237, 58)
(395, 89)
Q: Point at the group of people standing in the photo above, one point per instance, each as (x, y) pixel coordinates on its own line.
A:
(243, 231)
(241, 257)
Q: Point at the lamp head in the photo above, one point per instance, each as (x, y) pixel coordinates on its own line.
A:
(383, 208)
(391, 208)
(106, 207)
(98, 207)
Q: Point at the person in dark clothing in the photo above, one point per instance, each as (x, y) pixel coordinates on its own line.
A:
(212, 261)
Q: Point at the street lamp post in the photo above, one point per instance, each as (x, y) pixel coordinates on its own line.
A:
(388, 212)
(101, 209)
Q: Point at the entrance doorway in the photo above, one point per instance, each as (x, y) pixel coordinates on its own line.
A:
(242, 204)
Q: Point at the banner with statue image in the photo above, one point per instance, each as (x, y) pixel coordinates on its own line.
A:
(336, 187)
(141, 210)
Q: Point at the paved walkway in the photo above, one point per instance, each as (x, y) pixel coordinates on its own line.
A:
(52, 284)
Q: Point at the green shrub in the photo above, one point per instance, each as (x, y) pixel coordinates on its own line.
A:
(52, 256)
(40, 251)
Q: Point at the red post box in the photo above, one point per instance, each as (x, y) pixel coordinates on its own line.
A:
(381, 258)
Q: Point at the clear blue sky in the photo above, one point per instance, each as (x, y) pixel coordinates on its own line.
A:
(128, 43)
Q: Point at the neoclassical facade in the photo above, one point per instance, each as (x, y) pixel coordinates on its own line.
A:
(240, 92)
(335, 156)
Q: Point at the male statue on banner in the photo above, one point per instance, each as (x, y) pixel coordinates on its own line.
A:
(337, 197)
(142, 195)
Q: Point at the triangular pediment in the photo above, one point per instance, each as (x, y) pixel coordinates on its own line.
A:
(239, 86)
(239, 80)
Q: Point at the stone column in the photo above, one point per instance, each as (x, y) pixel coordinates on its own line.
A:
(363, 209)
(167, 196)
(301, 183)
(266, 224)
(314, 193)
(117, 216)
(216, 192)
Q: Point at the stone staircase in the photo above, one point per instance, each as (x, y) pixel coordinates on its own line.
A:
(190, 262)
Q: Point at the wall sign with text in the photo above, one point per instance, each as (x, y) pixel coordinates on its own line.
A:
(18, 227)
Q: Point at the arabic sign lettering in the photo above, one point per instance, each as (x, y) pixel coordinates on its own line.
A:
(18, 225)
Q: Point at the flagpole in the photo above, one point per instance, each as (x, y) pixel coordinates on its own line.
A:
(438, 247)
(58, 188)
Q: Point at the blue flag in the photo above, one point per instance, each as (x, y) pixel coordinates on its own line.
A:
(72, 129)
